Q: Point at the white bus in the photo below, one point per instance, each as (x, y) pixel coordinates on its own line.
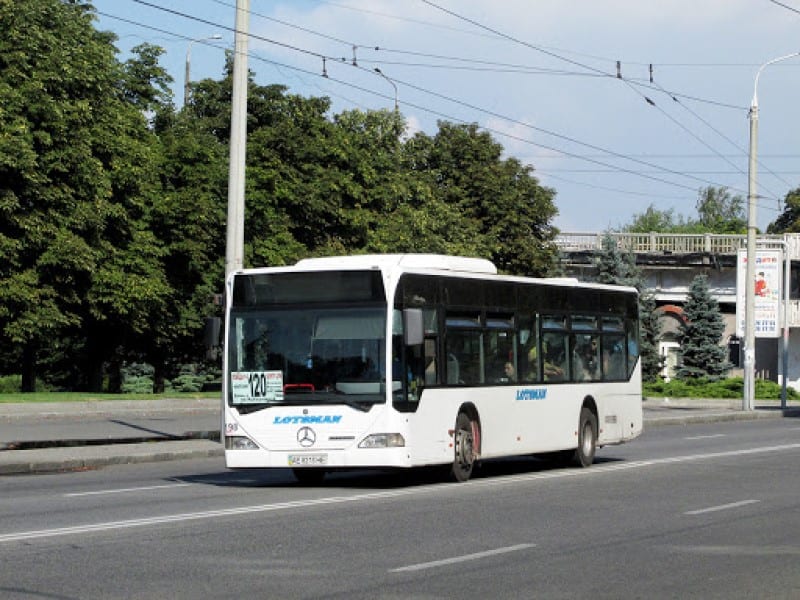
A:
(418, 359)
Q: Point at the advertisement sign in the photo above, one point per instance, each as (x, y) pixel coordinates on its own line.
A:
(767, 286)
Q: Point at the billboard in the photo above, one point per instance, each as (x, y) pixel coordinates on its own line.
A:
(767, 286)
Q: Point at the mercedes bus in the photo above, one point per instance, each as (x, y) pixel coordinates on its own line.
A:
(418, 359)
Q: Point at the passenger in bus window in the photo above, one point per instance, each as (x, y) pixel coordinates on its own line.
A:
(555, 359)
(587, 363)
(510, 372)
(533, 365)
(613, 357)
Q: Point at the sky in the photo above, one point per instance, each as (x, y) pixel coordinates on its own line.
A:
(565, 86)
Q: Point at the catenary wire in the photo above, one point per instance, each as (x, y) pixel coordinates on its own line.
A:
(439, 113)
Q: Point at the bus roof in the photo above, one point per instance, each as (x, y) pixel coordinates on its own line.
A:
(427, 263)
(439, 262)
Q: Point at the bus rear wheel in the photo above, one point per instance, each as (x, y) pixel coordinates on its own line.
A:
(464, 448)
(587, 439)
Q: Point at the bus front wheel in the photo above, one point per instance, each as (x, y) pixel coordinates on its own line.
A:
(464, 448)
(587, 439)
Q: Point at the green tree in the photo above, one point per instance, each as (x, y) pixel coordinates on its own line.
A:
(614, 267)
(76, 178)
(146, 84)
(701, 334)
(789, 220)
(654, 219)
(650, 333)
(718, 211)
(189, 223)
(498, 199)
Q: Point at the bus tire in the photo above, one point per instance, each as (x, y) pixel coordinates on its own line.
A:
(587, 439)
(309, 476)
(463, 448)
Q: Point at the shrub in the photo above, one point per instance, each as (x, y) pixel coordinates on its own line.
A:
(732, 387)
(137, 378)
(12, 384)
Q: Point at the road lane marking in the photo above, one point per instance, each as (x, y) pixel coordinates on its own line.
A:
(125, 490)
(597, 470)
(459, 559)
(705, 437)
(701, 511)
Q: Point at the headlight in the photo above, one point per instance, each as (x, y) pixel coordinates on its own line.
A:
(383, 440)
(239, 443)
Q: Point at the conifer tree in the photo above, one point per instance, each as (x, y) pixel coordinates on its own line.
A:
(700, 335)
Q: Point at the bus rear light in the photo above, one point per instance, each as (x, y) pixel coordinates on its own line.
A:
(239, 442)
(383, 440)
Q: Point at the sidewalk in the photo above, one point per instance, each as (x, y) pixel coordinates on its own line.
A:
(52, 437)
(65, 436)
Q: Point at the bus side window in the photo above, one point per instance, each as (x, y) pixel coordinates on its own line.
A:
(613, 357)
(464, 347)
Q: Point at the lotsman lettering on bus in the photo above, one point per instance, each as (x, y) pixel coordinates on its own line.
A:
(307, 419)
(532, 394)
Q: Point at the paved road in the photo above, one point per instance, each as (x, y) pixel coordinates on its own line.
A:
(702, 511)
(43, 437)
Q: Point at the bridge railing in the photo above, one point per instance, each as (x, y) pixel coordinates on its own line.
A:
(669, 243)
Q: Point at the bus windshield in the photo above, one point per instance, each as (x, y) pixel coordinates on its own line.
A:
(310, 355)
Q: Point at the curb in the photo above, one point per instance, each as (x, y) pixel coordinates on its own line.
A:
(77, 458)
(717, 417)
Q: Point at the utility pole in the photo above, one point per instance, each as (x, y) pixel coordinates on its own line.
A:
(748, 399)
(234, 250)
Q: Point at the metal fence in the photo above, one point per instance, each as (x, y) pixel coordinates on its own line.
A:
(674, 243)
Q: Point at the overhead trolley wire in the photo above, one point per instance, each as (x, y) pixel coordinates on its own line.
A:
(441, 114)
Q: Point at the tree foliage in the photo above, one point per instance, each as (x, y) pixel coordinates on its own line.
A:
(718, 211)
(75, 186)
(702, 356)
(789, 220)
(113, 203)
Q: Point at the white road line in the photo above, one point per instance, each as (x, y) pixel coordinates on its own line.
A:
(125, 490)
(459, 559)
(433, 488)
(721, 507)
(705, 437)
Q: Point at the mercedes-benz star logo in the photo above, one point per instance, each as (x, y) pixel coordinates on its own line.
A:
(306, 437)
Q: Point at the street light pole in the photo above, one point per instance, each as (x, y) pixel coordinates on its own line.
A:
(748, 399)
(186, 78)
(382, 74)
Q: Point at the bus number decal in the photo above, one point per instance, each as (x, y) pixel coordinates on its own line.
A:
(250, 387)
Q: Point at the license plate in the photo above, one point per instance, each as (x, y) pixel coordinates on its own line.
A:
(307, 460)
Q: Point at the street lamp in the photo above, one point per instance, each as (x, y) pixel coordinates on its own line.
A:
(748, 399)
(216, 36)
(382, 74)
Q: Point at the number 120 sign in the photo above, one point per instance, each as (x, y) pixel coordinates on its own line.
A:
(252, 387)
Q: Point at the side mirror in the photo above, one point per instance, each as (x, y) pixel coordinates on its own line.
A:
(413, 330)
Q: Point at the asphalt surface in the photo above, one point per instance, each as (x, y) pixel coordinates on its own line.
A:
(51, 437)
